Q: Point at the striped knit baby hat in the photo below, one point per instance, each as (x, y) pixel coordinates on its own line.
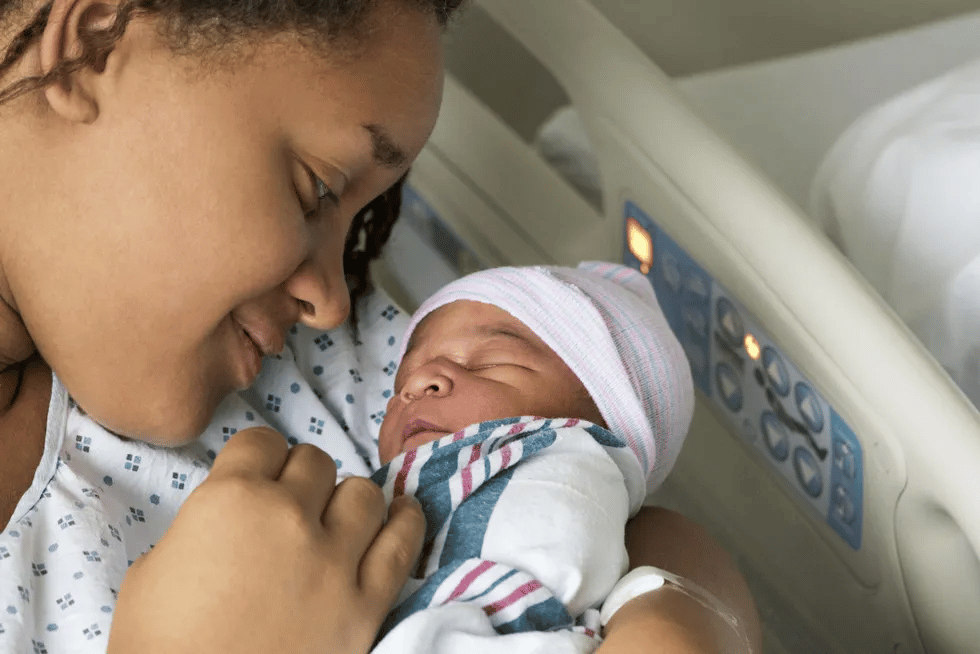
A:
(604, 321)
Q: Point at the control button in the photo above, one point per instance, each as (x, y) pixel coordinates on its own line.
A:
(699, 362)
(807, 472)
(775, 370)
(697, 286)
(729, 387)
(845, 460)
(731, 323)
(809, 405)
(696, 320)
(671, 272)
(777, 442)
(844, 505)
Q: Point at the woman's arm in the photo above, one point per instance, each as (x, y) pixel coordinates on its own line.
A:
(668, 621)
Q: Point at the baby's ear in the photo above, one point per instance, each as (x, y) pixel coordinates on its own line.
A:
(68, 37)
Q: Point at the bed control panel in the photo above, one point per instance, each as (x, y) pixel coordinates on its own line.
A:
(765, 398)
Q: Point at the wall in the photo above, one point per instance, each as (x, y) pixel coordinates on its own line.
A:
(682, 36)
(689, 36)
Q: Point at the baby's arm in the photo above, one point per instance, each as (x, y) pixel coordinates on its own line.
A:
(562, 520)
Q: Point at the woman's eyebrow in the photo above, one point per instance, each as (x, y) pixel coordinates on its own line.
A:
(386, 153)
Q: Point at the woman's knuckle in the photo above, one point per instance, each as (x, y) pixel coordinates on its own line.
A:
(314, 454)
(363, 493)
(263, 438)
(399, 555)
(230, 489)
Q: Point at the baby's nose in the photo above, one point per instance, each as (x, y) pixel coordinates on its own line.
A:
(429, 380)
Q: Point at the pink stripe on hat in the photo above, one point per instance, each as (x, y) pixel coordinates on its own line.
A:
(604, 321)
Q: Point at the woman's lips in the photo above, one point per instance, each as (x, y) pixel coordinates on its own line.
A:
(250, 358)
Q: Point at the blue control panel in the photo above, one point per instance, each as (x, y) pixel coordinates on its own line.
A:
(760, 392)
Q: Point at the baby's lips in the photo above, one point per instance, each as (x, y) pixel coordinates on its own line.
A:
(418, 426)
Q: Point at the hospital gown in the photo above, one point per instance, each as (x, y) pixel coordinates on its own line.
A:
(98, 501)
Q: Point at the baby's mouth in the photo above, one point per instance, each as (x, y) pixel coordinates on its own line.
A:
(419, 426)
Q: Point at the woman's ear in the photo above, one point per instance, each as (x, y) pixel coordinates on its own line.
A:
(74, 96)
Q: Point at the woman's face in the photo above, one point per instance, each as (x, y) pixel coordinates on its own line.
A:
(170, 240)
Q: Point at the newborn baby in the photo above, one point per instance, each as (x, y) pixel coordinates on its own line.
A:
(533, 410)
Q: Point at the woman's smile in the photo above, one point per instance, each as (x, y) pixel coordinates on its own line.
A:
(247, 358)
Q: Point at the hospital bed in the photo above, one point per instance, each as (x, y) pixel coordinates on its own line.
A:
(829, 452)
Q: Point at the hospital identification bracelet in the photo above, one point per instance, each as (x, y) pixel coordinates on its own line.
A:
(647, 579)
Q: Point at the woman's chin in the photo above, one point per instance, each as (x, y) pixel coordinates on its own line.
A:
(173, 429)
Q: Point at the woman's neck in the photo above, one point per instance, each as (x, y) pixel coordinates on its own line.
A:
(20, 135)
(15, 343)
(22, 432)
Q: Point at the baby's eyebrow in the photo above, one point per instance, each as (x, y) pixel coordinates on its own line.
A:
(506, 331)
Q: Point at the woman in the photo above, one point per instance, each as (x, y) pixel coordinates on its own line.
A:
(173, 174)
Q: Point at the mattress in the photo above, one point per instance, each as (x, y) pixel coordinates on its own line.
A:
(784, 114)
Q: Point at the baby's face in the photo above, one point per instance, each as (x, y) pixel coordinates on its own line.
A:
(468, 362)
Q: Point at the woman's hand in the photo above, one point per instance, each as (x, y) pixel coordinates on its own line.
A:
(267, 556)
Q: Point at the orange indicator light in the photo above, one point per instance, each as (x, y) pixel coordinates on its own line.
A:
(752, 347)
(640, 244)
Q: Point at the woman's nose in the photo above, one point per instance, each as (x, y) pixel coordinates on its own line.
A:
(432, 380)
(320, 288)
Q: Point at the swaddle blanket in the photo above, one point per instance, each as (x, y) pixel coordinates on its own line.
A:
(524, 537)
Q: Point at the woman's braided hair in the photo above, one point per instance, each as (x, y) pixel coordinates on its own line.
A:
(199, 26)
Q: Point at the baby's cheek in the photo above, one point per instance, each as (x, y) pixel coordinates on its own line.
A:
(387, 446)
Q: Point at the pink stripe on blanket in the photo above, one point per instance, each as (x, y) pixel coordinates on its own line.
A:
(468, 474)
(523, 591)
(470, 578)
(402, 476)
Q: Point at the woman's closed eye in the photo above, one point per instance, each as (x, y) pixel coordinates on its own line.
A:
(322, 191)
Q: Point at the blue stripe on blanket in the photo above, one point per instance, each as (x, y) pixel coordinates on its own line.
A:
(549, 615)
(468, 526)
(605, 437)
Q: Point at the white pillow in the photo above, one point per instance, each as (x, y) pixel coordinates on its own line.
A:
(899, 193)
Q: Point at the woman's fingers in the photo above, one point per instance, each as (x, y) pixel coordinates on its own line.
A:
(256, 452)
(393, 554)
(309, 476)
(305, 473)
(355, 514)
(379, 545)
